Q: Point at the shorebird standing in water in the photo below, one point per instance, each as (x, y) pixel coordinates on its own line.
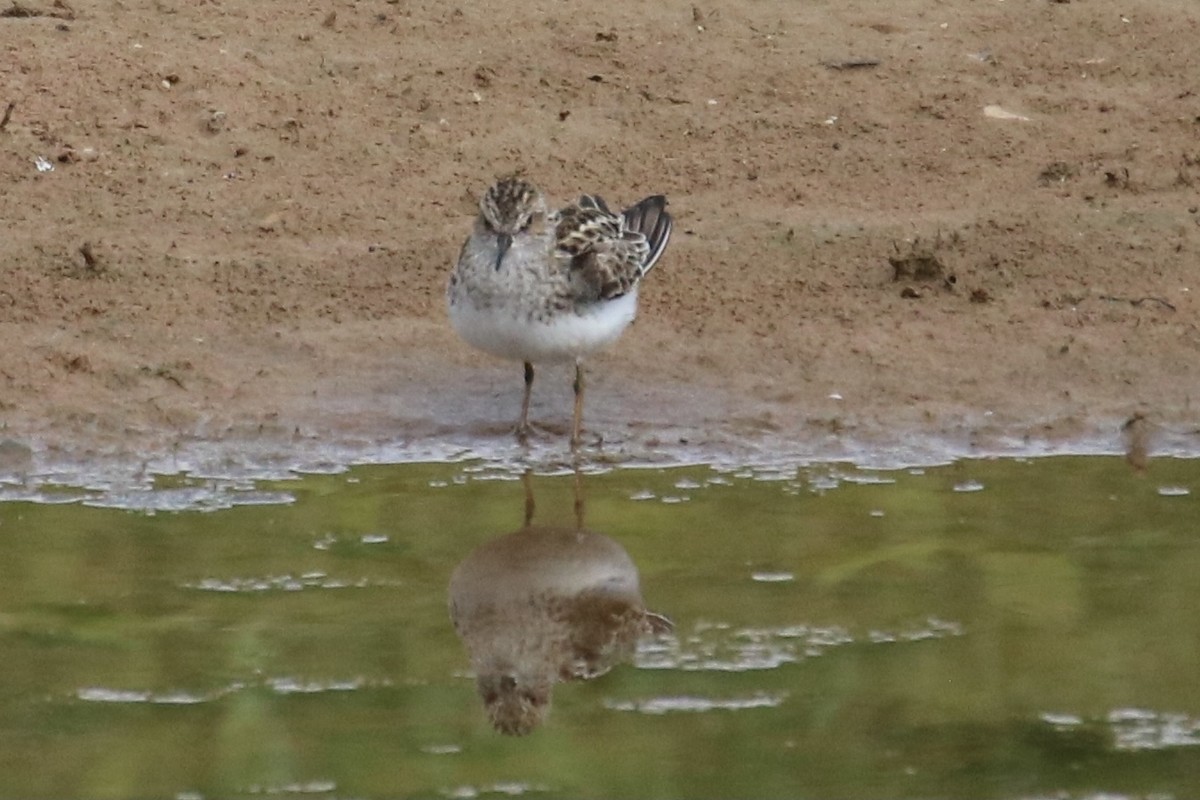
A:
(543, 287)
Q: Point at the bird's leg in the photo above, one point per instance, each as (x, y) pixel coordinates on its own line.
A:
(527, 482)
(579, 511)
(577, 426)
(523, 425)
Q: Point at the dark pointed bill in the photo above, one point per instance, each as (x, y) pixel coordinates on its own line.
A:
(503, 242)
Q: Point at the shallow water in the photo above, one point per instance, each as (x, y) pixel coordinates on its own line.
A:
(988, 629)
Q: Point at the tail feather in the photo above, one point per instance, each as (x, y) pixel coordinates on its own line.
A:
(650, 218)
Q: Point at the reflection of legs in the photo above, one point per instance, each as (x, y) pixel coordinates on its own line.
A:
(578, 498)
(523, 425)
(527, 482)
(578, 423)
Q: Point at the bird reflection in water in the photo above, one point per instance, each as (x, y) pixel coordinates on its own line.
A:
(544, 605)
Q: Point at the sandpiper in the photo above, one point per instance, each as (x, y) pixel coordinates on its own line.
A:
(541, 286)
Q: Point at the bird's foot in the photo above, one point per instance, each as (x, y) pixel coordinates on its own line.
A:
(587, 440)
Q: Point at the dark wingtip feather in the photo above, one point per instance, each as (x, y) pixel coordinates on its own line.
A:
(650, 218)
(593, 201)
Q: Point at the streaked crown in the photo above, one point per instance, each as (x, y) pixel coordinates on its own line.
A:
(511, 204)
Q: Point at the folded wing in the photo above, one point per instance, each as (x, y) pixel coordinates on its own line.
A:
(608, 254)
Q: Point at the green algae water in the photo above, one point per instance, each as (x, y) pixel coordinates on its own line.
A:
(986, 629)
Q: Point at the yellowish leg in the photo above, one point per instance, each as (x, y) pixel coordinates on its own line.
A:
(523, 425)
(577, 427)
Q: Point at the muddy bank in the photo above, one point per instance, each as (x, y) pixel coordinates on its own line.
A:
(243, 241)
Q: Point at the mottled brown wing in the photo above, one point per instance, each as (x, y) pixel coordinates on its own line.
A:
(605, 260)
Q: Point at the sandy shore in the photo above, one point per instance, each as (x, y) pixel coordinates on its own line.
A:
(908, 229)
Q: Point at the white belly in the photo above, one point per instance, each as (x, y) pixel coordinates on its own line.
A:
(565, 337)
